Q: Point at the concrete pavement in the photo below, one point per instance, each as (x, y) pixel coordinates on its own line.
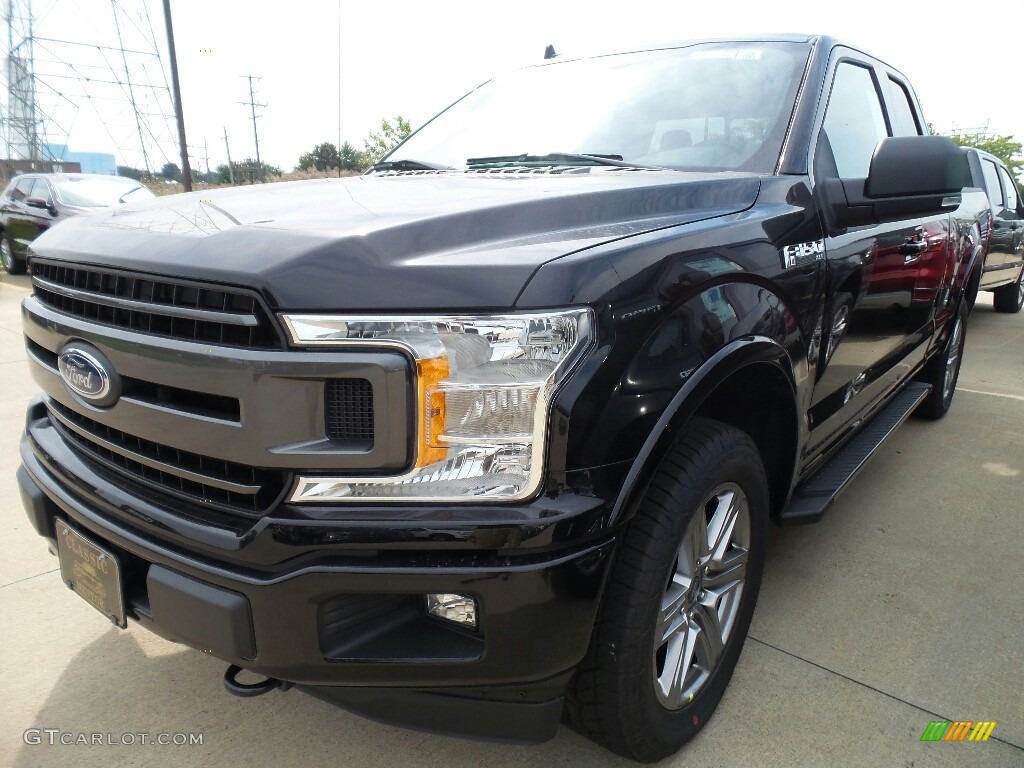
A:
(905, 605)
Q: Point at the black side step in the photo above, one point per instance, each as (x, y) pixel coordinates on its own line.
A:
(816, 494)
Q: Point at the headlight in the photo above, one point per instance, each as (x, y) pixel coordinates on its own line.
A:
(483, 388)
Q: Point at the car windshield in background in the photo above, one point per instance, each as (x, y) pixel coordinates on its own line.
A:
(707, 107)
(99, 192)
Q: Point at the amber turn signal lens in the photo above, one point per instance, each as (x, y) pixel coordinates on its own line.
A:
(430, 397)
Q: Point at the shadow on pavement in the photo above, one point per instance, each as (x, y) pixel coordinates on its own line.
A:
(113, 687)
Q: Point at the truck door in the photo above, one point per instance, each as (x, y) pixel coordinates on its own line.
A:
(38, 220)
(1001, 242)
(19, 215)
(883, 280)
(1009, 221)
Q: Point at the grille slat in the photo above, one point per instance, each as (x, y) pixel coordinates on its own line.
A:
(157, 306)
(129, 450)
(234, 488)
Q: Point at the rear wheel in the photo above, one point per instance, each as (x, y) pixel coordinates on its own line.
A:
(12, 264)
(679, 600)
(1010, 298)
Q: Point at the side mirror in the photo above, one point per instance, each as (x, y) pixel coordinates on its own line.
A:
(909, 177)
(36, 202)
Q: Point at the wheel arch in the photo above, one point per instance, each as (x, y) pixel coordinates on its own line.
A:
(721, 389)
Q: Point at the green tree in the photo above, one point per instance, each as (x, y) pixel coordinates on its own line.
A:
(323, 157)
(1003, 147)
(171, 172)
(131, 173)
(349, 157)
(222, 175)
(248, 171)
(378, 144)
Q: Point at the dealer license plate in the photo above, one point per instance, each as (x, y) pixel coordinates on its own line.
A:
(92, 572)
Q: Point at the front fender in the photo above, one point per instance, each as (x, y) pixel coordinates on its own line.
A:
(640, 379)
(699, 385)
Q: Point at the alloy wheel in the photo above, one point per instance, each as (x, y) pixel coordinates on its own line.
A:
(953, 353)
(702, 598)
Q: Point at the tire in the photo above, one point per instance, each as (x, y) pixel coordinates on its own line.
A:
(971, 296)
(12, 264)
(840, 314)
(943, 370)
(624, 694)
(1010, 298)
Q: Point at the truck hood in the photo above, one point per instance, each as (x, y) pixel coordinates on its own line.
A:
(457, 240)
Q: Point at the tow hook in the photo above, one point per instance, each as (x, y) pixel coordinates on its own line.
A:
(247, 690)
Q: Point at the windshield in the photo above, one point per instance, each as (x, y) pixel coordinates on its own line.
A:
(709, 106)
(99, 192)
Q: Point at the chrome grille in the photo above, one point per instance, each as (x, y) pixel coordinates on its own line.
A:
(159, 306)
(213, 483)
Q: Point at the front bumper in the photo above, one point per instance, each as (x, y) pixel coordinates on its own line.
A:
(346, 623)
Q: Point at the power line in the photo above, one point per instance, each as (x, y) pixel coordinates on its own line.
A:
(131, 94)
(46, 95)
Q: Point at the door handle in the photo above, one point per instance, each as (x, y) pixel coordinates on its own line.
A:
(914, 246)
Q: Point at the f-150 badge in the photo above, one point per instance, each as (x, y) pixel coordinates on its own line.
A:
(803, 253)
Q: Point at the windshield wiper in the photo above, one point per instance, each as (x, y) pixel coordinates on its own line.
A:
(407, 165)
(553, 158)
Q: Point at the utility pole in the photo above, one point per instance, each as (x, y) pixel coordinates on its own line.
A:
(186, 171)
(206, 156)
(252, 104)
(231, 169)
(128, 80)
(339, 88)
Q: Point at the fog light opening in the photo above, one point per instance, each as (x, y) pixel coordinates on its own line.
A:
(459, 609)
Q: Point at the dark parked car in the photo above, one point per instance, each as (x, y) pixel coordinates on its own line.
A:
(496, 429)
(34, 202)
(1003, 273)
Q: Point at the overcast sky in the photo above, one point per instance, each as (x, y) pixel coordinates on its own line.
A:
(414, 58)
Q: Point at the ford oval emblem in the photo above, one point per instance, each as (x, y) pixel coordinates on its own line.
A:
(88, 374)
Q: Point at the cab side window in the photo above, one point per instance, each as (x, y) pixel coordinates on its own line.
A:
(41, 190)
(854, 121)
(904, 122)
(995, 192)
(1012, 200)
(21, 191)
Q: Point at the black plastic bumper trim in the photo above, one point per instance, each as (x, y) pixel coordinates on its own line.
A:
(514, 715)
(213, 619)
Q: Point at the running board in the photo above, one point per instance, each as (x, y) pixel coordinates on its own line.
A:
(816, 494)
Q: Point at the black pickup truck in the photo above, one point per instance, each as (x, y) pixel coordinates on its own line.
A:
(1003, 270)
(491, 434)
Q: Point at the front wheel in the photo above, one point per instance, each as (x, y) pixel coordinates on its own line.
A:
(1009, 298)
(679, 600)
(12, 264)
